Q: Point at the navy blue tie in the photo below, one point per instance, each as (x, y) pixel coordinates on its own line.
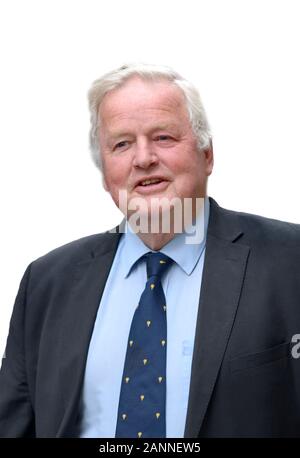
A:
(142, 403)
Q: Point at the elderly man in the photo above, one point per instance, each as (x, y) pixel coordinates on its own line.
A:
(140, 331)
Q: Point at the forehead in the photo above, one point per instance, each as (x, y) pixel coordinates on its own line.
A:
(138, 96)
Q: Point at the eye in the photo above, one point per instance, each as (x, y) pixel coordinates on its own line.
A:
(121, 144)
(163, 137)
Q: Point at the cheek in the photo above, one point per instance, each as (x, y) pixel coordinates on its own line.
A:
(184, 166)
(115, 171)
(188, 173)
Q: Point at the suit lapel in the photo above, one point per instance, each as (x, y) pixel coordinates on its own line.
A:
(79, 316)
(223, 273)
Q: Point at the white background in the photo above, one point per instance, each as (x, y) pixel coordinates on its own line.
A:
(243, 55)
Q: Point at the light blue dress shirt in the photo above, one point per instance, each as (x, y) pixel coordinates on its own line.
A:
(108, 345)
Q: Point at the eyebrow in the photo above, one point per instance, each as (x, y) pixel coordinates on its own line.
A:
(117, 134)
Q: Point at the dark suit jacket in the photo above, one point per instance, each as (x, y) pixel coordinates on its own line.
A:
(244, 380)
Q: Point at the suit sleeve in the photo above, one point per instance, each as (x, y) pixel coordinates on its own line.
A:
(16, 411)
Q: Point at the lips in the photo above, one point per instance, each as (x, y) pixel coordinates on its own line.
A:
(150, 181)
(151, 184)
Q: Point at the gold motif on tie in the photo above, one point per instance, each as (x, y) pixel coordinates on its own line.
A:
(140, 434)
(145, 361)
(152, 285)
(163, 342)
(157, 415)
(142, 397)
(127, 379)
(124, 416)
(148, 323)
(160, 379)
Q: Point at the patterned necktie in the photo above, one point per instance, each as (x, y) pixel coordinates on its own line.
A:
(142, 403)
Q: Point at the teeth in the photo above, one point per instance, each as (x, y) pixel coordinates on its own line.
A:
(146, 182)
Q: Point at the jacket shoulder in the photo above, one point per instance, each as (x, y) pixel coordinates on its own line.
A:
(269, 228)
(253, 227)
(76, 251)
(266, 229)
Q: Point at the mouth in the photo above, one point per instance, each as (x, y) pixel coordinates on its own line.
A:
(150, 185)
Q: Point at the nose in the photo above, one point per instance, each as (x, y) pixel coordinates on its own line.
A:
(144, 154)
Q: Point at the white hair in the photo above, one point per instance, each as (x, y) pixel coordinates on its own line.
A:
(118, 77)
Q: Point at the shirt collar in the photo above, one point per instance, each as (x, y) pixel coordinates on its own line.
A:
(185, 254)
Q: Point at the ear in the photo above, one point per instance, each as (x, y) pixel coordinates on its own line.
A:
(104, 184)
(209, 158)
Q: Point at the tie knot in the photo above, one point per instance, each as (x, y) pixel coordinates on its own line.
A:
(157, 264)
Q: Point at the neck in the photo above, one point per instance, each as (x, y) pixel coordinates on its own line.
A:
(156, 241)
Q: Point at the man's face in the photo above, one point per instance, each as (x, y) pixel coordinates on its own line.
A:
(145, 134)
